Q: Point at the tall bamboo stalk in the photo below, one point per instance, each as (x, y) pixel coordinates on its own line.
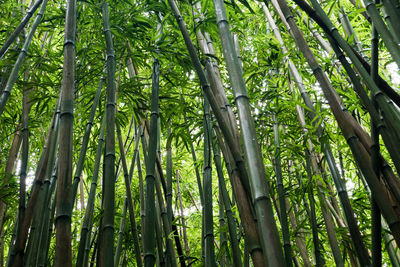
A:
(88, 217)
(268, 231)
(226, 203)
(48, 219)
(141, 188)
(127, 179)
(392, 252)
(207, 186)
(160, 257)
(318, 247)
(243, 202)
(149, 234)
(125, 206)
(159, 175)
(161, 187)
(170, 256)
(234, 154)
(169, 177)
(216, 85)
(121, 232)
(386, 133)
(24, 160)
(376, 226)
(223, 238)
(389, 112)
(63, 254)
(212, 71)
(107, 231)
(281, 195)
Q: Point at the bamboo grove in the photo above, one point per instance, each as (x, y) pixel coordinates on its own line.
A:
(199, 133)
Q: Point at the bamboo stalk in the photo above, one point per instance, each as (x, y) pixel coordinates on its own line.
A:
(360, 247)
(107, 230)
(63, 254)
(149, 234)
(214, 78)
(376, 225)
(128, 178)
(319, 258)
(164, 222)
(121, 232)
(141, 188)
(125, 206)
(387, 135)
(235, 153)
(160, 257)
(88, 246)
(392, 252)
(196, 168)
(207, 186)
(170, 253)
(169, 176)
(266, 222)
(300, 238)
(281, 195)
(159, 175)
(226, 203)
(223, 238)
(24, 161)
(88, 217)
(48, 218)
(244, 206)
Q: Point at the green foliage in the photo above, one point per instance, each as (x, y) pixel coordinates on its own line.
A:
(8, 189)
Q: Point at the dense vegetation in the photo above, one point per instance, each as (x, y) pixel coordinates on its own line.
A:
(199, 133)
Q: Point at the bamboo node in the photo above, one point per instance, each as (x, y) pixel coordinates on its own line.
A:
(318, 68)
(289, 17)
(240, 95)
(69, 41)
